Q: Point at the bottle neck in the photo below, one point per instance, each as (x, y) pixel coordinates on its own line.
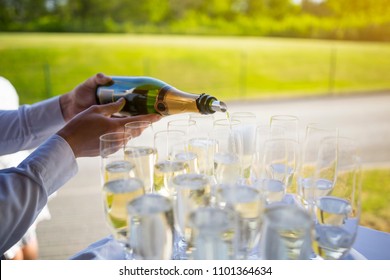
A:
(172, 101)
(208, 104)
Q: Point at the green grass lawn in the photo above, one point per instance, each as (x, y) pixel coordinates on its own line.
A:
(41, 65)
(376, 199)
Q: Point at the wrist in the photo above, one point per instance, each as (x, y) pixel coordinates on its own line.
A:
(65, 104)
(63, 133)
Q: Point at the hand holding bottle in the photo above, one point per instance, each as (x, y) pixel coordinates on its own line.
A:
(83, 131)
(82, 97)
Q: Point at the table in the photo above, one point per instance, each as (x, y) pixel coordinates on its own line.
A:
(370, 244)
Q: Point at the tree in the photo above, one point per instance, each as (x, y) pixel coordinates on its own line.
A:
(21, 11)
(365, 9)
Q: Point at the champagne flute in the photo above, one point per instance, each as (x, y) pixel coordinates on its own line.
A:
(114, 166)
(315, 133)
(140, 150)
(338, 210)
(228, 155)
(204, 124)
(263, 133)
(286, 233)
(289, 123)
(213, 234)
(287, 127)
(193, 191)
(165, 167)
(181, 152)
(187, 125)
(279, 161)
(204, 148)
(248, 202)
(151, 227)
(247, 128)
(225, 123)
(200, 143)
(116, 195)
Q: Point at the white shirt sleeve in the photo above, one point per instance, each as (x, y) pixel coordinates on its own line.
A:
(24, 189)
(30, 125)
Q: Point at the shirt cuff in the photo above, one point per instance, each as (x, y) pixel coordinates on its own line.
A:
(53, 163)
(45, 115)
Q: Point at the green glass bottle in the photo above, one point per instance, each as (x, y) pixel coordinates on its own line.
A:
(146, 95)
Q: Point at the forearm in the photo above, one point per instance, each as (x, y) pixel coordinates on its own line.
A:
(24, 190)
(30, 125)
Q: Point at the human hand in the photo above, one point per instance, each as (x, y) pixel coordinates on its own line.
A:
(82, 97)
(83, 131)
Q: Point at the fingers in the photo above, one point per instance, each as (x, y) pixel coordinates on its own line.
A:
(98, 79)
(111, 108)
(102, 79)
(150, 117)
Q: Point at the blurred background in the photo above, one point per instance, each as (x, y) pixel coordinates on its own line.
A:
(258, 51)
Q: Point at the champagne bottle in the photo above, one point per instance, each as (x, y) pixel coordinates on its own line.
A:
(146, 95)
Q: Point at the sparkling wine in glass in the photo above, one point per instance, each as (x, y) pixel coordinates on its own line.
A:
(140, 151)
(213, 233)
(204, 148)
(114, 166)
(151, 227)
(116, 195)
(248, 202)
(166, 167)
(193, 191)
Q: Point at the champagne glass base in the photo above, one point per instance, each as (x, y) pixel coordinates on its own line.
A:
(179, 247)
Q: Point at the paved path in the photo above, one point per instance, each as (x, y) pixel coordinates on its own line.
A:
(77, 213)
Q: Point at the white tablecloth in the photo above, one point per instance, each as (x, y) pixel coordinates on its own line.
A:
(370, 244)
